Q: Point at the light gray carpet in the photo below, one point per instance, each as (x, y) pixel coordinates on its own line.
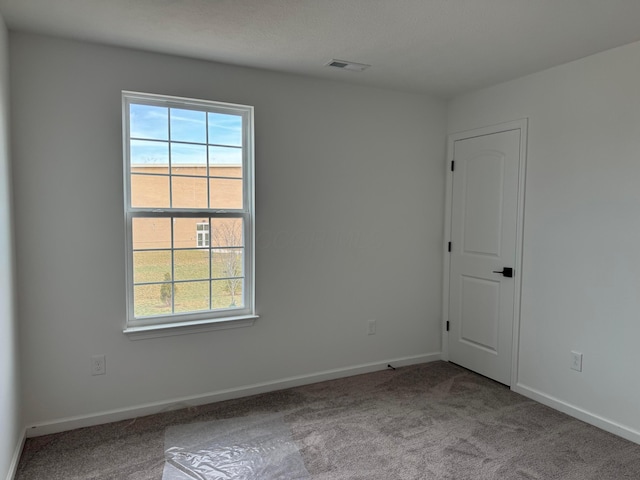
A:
(430, 421)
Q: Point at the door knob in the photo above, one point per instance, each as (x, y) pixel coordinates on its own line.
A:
(506, 271)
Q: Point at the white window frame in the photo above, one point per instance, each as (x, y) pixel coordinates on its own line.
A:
(205, 234)
(172, 324)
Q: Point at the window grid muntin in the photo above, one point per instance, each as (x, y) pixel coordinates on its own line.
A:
(245, 213)
(173, 256)
(209, 230)
(184, 142)
(177, 249)
(173, 296)
(183, 175)
(204, 279)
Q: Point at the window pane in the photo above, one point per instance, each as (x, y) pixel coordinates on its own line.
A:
(188, 125)
(192, 296)
(146, 121)
(191, 264)
(151, 300)
(227, 262)
(227, 293)
(225, 129)
(189, 192)
(185, 232)
(151, 266)
(225, 156)
(227, 232)
(149, 157)
(188, 159)
(234, 171)
(151, 233)
(149, 191)
(225, 193)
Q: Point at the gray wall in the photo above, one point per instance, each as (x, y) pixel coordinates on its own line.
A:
(10, 418)
(350, 194)
(581, 263)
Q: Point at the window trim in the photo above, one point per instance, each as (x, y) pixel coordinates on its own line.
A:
(171, 324)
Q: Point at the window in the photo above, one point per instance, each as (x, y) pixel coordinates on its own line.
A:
(202, 235)
(188, 176)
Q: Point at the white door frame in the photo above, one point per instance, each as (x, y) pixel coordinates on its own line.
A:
(451, 139)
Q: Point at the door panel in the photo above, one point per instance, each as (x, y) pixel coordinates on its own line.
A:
(483, 237)
(480, 312)
(483, 204)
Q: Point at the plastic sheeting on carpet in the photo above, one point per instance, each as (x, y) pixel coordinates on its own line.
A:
(249, 448)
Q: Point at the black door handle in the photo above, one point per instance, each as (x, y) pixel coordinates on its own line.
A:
(506, 271)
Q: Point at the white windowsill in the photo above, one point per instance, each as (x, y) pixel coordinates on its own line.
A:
(184, 328)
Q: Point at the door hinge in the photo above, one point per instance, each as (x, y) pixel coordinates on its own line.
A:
(447, 325)
(449, 247)
(453, 165)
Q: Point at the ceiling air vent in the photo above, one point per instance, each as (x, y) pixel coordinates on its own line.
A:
(345, 65)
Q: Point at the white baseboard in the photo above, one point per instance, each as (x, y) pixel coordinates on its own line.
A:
(577, 412)
(70, 423)
(13, 466)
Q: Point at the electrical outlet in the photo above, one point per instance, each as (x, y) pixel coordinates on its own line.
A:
(371, 328)
(98, 365)
(576, 361)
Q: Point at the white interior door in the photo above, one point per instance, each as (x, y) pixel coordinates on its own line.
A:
(484, 214)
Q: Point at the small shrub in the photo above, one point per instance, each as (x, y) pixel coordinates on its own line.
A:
(166, 292)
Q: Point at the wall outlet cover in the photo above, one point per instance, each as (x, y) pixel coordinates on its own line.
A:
(98, 365)
(576, 361)
(371, 327)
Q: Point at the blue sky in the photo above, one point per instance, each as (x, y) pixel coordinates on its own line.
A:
(149, 125)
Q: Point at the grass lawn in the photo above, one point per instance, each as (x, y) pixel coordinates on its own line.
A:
(199, 274)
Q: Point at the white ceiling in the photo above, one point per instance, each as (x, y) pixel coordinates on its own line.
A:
(442, 47)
